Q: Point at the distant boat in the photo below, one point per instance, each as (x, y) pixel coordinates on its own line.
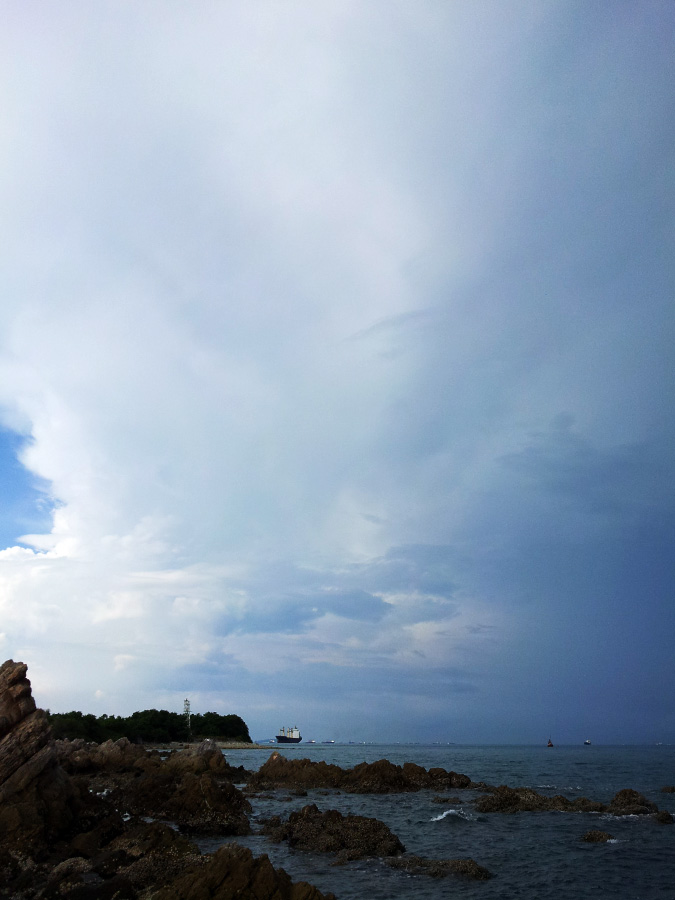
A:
(550, 743)
(327, 742)
(289, 736)
(587, 743)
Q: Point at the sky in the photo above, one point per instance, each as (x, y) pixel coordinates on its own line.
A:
(336, 364)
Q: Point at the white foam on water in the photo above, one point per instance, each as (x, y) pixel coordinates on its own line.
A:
(460, 813)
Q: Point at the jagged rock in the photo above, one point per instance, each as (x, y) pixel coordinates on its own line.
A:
(597, 837)
(482, 786)
(37, 799)
(664, 817)
(504, 799)
(281, 771)
(509, 800)
(630, 803)
(191, 788)
(111, 756)
(234, 872)
(150, 855)
(350, 837)
(193, 802)
(205, 757)
(381, 777)
(439, 868)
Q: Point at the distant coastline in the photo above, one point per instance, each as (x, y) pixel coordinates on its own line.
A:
(223, 745)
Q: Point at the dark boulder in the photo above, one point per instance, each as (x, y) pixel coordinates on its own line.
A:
(511, 800)
(279, 771)
(597, 837)
(439, 868)
(121, 756)
(233, 871)
(349, 837)
(505, 799)
(663, 817)
(194, 802)
(631, 803)
(381, 777)
(150, 855)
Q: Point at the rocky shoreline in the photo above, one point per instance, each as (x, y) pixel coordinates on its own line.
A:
(118, 821)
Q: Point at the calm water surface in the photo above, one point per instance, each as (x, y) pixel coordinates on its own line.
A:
(531, 855)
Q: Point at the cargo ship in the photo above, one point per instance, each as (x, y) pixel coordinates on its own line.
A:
(289, 736)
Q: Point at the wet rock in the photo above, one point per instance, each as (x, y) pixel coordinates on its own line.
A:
(88, 843)
(668, 789)
(194, 802)
(505, 799)
(510, 800)
(37, 799)
(118, 756)
(204, 757)
(381, 777)
(439, 868)
(233, 871)
(151, 855)
(664, 817)
(350, 837)
(597, 837)
(631, 803)
(279, 771)
(481, 786)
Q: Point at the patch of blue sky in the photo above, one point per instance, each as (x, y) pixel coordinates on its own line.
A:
(25, 504)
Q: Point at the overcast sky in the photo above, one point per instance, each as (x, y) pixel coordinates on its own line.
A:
(336, 364)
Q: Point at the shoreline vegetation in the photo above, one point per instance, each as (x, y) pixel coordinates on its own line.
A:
(222, 745)
(149, 726)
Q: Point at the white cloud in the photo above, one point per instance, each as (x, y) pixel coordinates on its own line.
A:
(284, 288)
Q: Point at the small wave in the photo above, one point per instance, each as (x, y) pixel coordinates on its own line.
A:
(459, 813)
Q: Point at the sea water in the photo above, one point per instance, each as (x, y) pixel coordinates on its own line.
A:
(531, 855)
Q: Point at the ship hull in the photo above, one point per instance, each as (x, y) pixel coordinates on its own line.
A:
(282, 739)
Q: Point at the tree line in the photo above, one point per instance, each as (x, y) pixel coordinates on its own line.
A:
(154, 726)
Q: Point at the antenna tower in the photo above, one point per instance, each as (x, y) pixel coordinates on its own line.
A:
(186, 710)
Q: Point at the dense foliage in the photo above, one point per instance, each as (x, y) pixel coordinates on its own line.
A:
(155, 726)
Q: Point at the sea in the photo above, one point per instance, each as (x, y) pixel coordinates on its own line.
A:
(531, 855)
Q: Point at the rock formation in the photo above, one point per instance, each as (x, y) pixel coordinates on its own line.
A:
(626, 802)
(631, 803)
(191, 788)
(597, 837)
(504, 799)
(350, 837)
(439, 868)
(73, 817)
(37, 799)
(233, 872)
(381, 777)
